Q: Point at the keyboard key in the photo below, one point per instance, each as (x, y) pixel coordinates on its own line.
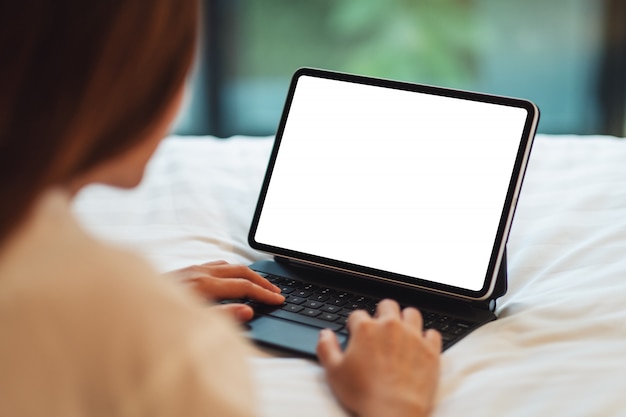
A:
(285, 289)
(313, 304)
(442, 327)
(295, 299)
(355, 305)
(457, 330)
(301, 293)
(310, 312)
(430, 316)
(463, 324)
(337, 301)
(309, 287)
(292, 307)
(330, 308)
(460, 327)
(325, 291)
(328, 316)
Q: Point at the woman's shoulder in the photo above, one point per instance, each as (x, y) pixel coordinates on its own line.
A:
(52, 251)
(51, 255)
(97, 318)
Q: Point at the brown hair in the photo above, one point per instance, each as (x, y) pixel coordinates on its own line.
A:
(81, 82)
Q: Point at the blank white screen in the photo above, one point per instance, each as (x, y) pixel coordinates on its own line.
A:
(394, 180)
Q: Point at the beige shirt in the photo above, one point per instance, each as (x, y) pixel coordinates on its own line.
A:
(88, 330)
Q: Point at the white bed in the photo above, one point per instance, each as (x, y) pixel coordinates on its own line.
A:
(559, 345)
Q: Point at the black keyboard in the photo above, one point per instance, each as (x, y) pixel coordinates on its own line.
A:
(325, 307)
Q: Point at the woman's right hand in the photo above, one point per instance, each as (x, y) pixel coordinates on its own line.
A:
(220, 280)
(389, 368)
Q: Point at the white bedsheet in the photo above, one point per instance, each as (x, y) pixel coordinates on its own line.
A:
(559, 345)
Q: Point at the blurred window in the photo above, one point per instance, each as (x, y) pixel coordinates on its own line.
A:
(568, 56)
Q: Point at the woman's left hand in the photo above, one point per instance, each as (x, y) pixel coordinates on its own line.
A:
(220, 280)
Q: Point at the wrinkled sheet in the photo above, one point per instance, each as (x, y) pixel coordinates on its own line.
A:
(559, 345)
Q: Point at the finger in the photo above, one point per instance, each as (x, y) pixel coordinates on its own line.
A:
(413, 317)
(387, 308)
(241, 271)
(220, 262)
(433, 338)
(237, 288)
(357, 317)
(328, 350)
(240, 312)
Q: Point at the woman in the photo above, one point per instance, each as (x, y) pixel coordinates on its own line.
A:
(88, 91)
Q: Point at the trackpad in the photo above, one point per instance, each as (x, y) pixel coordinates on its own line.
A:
(287, 335)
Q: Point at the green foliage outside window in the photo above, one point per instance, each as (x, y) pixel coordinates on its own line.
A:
(414, 40)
